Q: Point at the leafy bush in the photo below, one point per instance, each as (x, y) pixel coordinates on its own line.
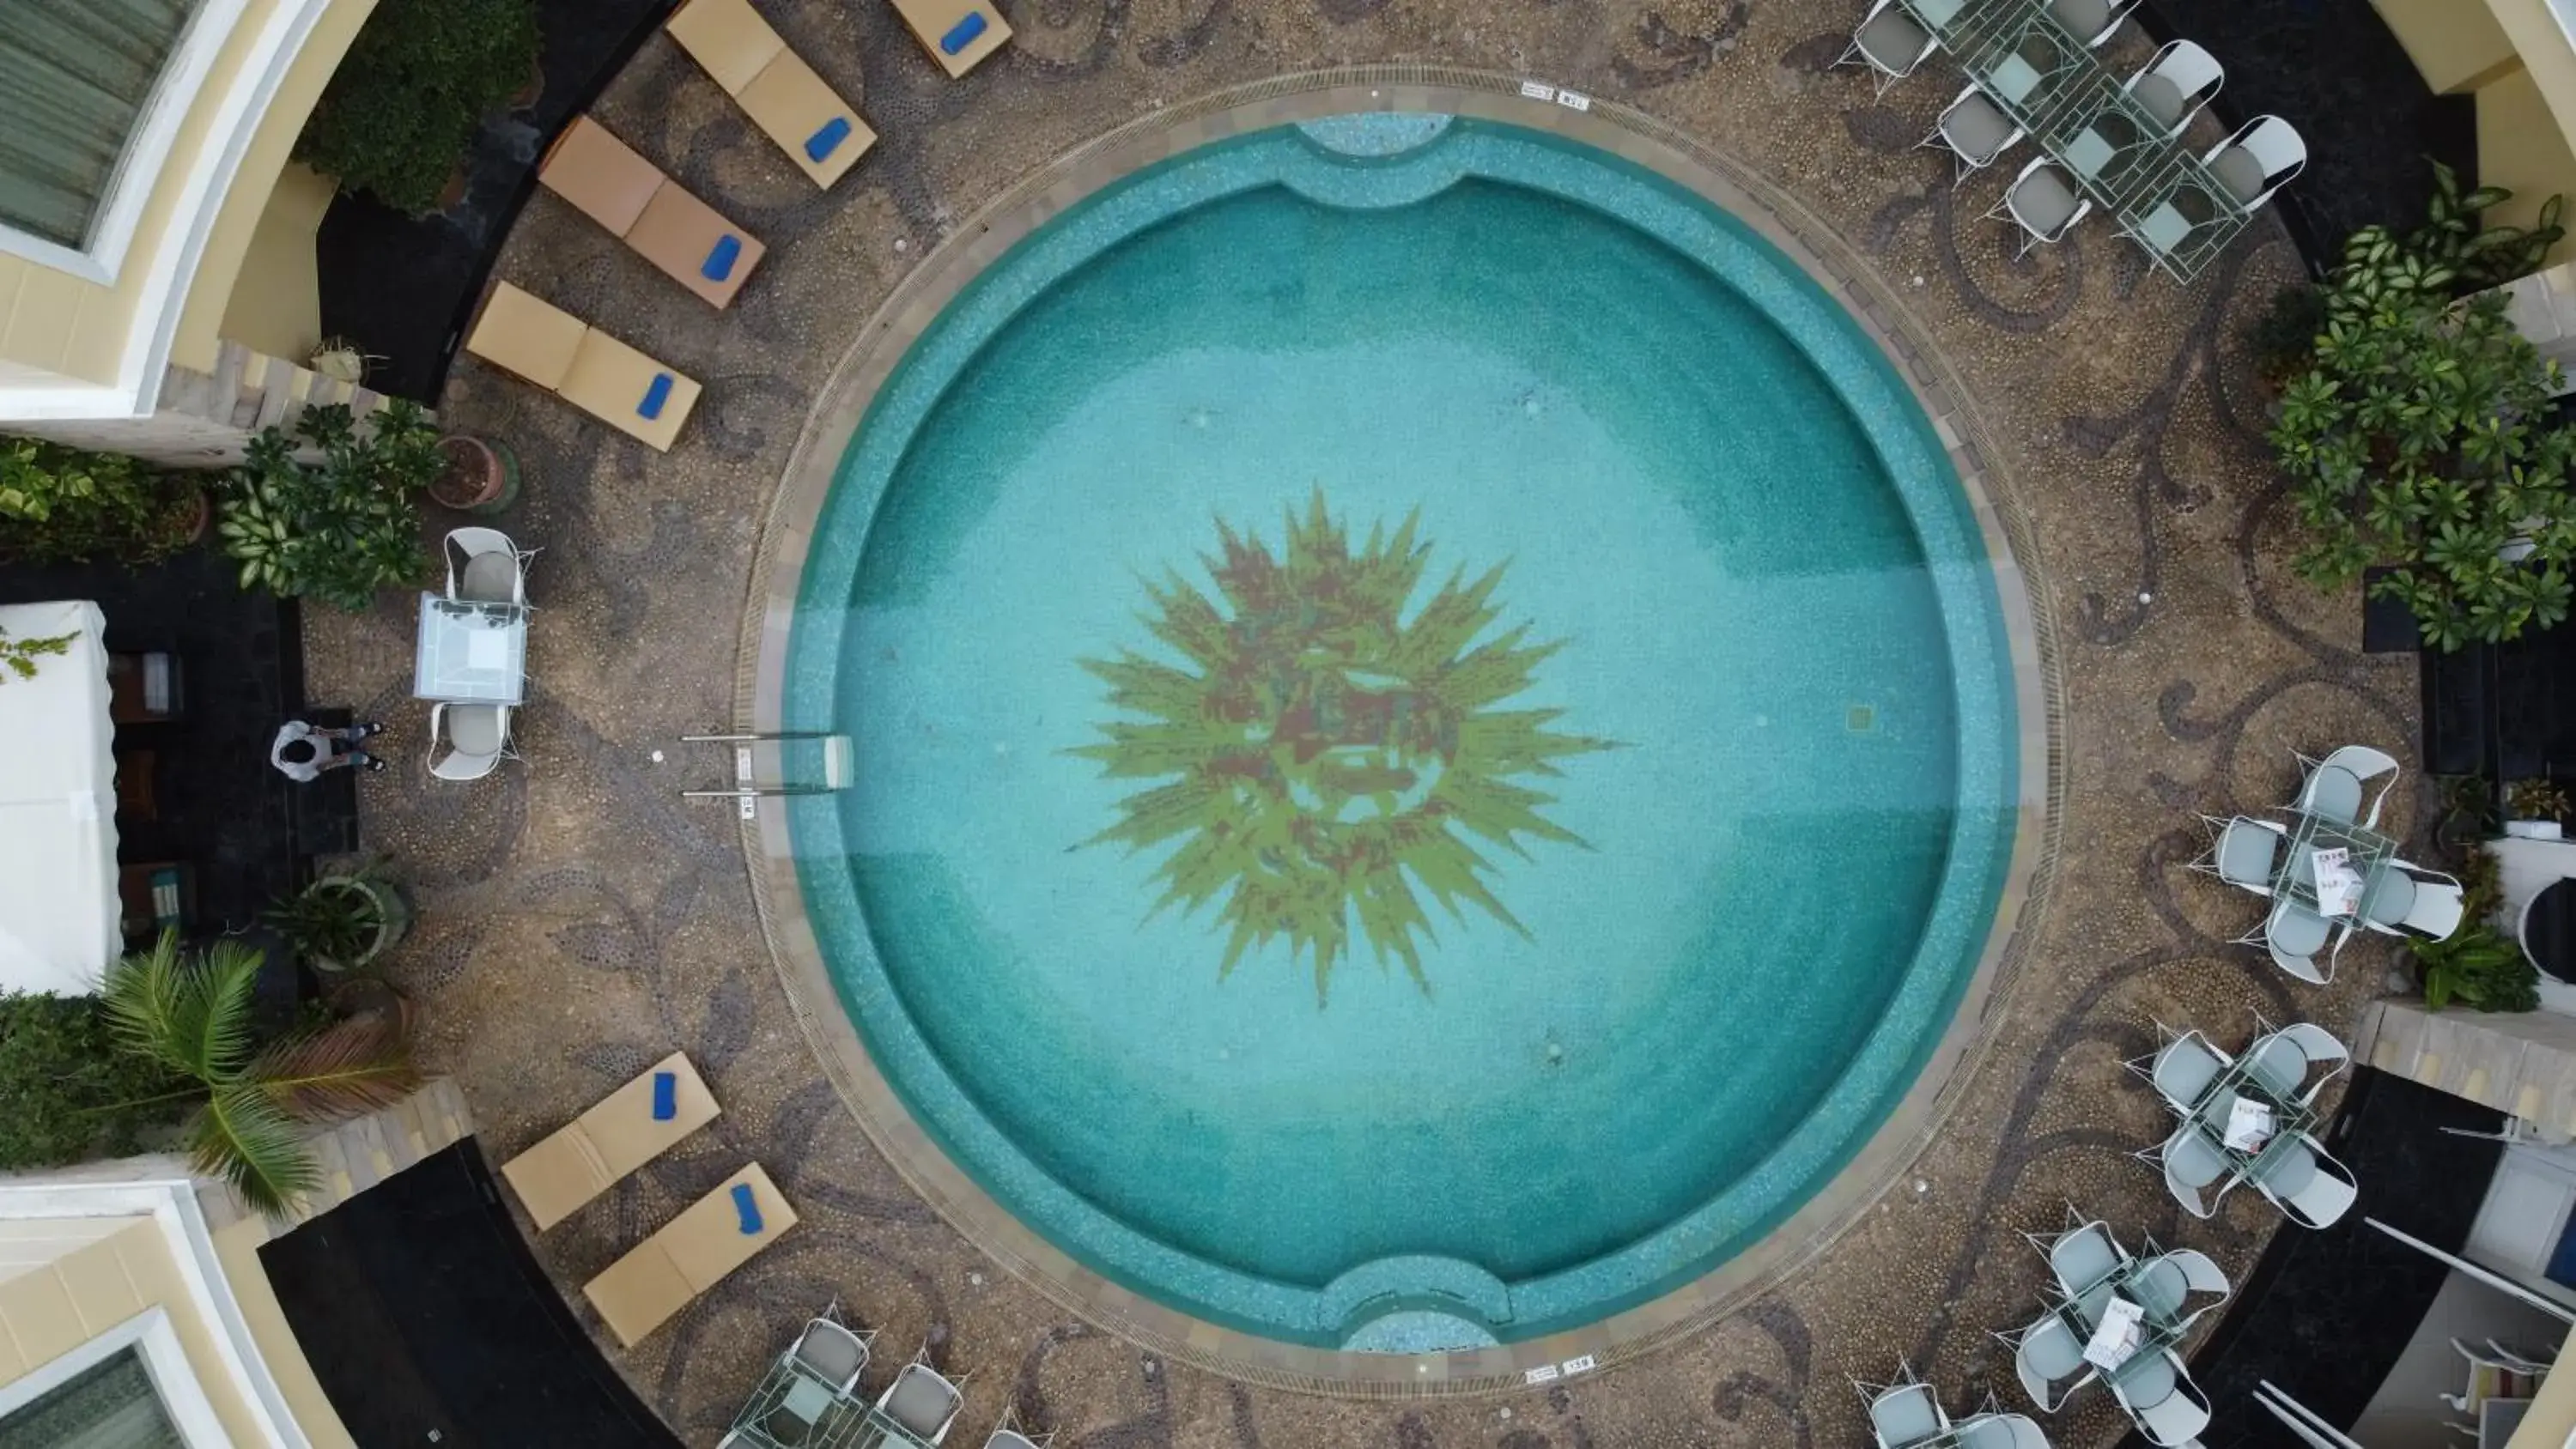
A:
(2283, 339)
(402, 108)
(63, 505)
(70, 1094)
(339, 529)
(2416, 440)
(2535, 800)
(2454, 236)
(2477, 967)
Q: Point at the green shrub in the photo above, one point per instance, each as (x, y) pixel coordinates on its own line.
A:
(339, 529)
(2477, 967)
(2417, 440)
(2283, 339)
(2455, 236)
(402, 108)
(63, 505)
(69, 1091)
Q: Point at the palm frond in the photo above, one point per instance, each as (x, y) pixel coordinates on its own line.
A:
(353, 1065)
(246, 1140)
(215, 1026)
(142, 1000)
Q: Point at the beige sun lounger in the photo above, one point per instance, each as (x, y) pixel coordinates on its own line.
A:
(774, 86)
(608, 182)
(690, 1255)
(582, 365)
(588, 1155)
(957, 33)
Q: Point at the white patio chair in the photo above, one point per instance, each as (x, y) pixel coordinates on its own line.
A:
(494, 572)
(2293, 935)
(2175, 83)
(2181, 1071)
(2437, 905)
(923, 1400)
(2168, 1282)
(832, 1352)
(2244, 852)
(2049, 1360)
(2365, 765)
(2390, 904)
(2307, 1184)
(468, 741)
(2331, 792)
(1889, 42)
(2191, 1162)
(2082, 1256)
(1905, 1412)
(1009, 1435)
(2001, 1431)
(2041, 203)
(2159, 1396)
(1975, 131)
(2261, 158)
(2092, 21)
(2314, 1046)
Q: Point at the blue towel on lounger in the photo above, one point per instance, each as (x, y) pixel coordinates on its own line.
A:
(656, 393)
(720, 259)
(747, 1207)
(963, 33)
(827, 138)
(666, 1096)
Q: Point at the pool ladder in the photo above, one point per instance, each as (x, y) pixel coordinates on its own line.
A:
(836, 759)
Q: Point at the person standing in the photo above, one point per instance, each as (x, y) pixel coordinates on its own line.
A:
(302, 752)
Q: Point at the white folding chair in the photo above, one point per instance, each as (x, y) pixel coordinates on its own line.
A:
(2041, 203)
(2263, 156)
(2180, 79)
(1975, 131)
(1889, 42)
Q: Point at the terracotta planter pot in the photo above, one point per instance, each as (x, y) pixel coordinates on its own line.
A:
(482, 475)
(393, 919)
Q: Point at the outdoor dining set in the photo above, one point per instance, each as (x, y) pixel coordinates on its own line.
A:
(810, 1399)
(2328, 871)
(2119, 1319)
(2110, 141)
(472, 653)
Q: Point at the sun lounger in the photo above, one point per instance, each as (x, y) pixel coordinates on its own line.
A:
(582, 365)
(626, 1129)
(774, 86)
(957, 33)
(691, 1254)
(608, 182)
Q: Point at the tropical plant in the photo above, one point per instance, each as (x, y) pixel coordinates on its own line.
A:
(63, 505)
(21, 654)
(340, 528)
(191, 1018)
(2477, 967)
(1326, 745)
(403, 106)
(2535, 800)
(2283, 339)
(2418, 440)
(71, 1095)
(341, 921)
(2455, 236)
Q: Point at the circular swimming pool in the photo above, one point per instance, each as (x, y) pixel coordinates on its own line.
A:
(1435, 746)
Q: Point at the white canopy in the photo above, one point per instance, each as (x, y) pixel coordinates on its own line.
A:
(58, 907)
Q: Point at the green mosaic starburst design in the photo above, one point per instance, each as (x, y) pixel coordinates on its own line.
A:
(1322, 759)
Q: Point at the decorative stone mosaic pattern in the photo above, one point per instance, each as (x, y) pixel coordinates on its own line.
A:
(578, 919)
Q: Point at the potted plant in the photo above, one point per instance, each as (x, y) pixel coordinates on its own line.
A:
(65, 505)
(402, 108)
(190, 1017)
(2533, 808)
(342, 525)
(342, 923)
(481, 475)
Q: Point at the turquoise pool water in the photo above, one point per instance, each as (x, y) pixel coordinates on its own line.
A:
(1435, 744)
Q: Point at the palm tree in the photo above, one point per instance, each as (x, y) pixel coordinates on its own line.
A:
(191, 1016)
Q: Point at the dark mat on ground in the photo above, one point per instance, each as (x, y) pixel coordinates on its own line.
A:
(2331, 68)
(428, 1322)
(220, 806)
(411, 330)
(2325, 1314)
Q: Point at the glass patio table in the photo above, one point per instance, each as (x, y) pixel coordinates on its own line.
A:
(470, 653)
(2186, 227)
(2115, 149)
(2083, 1314)
(2026, 63)
(2372, 855)
(792, 1409)
(2290, 1118)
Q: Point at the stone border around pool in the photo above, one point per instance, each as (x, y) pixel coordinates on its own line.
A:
(977, 242)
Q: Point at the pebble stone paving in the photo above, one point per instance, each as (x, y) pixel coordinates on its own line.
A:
(577, 919)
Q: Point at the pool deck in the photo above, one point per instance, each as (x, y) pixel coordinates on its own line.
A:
(579, 920)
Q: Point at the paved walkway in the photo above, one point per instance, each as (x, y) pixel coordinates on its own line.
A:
(578, 920)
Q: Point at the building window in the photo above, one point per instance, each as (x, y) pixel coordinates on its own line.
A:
(109, 1405)
(75, 79)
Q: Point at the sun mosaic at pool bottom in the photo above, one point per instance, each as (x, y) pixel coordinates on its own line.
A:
(1321, 746)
